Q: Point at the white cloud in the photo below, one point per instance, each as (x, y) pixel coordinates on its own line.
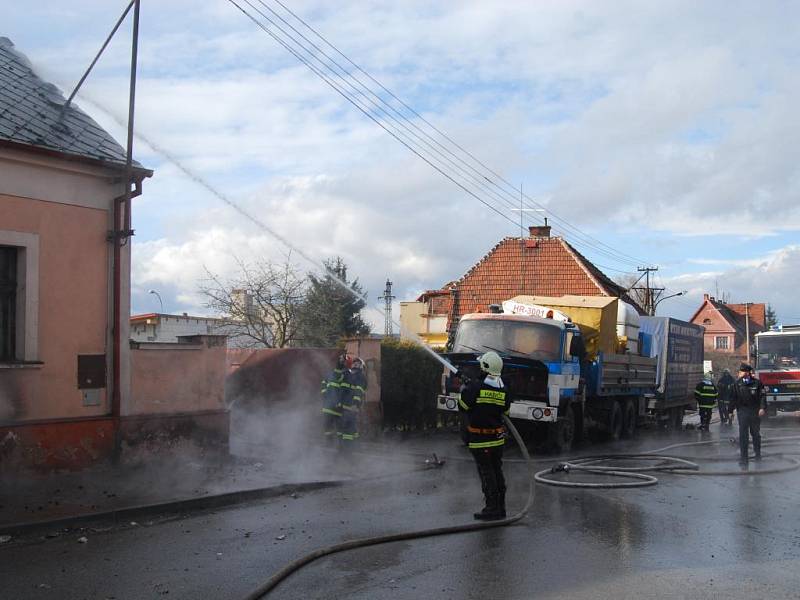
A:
(635, 121)
(771, 279)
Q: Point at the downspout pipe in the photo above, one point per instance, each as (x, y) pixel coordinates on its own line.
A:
(121, 235)
(116, 239)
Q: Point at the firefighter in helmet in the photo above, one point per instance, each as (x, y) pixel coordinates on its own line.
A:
(485, 400)
(331, 393)
(354, 389)
(706, 395)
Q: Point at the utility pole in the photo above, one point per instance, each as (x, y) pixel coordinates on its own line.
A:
(387, 308)
(747, 328)
(651, 294)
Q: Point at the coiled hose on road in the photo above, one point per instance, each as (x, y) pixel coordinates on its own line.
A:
(273, 581)
(669, 464)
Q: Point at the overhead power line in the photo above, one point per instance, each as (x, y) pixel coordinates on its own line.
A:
(449, 159)
(510, 187)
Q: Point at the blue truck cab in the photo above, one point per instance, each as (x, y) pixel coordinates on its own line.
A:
(553, 383)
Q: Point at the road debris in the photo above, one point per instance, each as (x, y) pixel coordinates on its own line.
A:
(281, 537)
(434, 462)
(4, 539)
(83, 539)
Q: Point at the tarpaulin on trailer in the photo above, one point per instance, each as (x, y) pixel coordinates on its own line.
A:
(595, 316)
(679, 348)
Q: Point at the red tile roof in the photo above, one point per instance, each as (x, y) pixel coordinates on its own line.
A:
(757, 312)
(545, 266)
(736, 315)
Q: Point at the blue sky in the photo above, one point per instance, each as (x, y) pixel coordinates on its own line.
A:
(667, 131)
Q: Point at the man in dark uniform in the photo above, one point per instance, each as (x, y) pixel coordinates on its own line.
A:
(485, 400)
(331, 397)
(725, 389)
(706, 395)
(749, 400)
(354, 388)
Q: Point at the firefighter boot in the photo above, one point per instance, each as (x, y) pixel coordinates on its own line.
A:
(494, 510)
(489, 488)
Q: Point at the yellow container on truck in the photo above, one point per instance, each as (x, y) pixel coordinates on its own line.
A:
(595, 316)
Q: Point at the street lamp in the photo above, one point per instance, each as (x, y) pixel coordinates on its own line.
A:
(160, 301)
(660, 300)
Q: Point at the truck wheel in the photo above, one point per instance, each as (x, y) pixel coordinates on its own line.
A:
(615, 421)
(629, 419)
(676, 418)
(562, 432)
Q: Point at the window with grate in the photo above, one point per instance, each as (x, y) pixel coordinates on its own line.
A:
(8, 302)
(721, 342)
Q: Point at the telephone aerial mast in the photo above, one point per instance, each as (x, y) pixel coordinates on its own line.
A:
(387, 308)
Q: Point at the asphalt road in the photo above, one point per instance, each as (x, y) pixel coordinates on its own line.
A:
(688, 537)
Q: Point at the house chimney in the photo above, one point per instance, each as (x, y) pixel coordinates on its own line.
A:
(705, 296)
(539, 231)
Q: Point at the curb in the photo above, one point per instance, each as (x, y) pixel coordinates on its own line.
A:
(173, 506)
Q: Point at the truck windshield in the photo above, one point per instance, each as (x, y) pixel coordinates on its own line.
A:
(538, 341)
(778, 351)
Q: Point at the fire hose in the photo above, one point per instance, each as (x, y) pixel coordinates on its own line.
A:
(597, 465)
(283, 573)
(641, 476)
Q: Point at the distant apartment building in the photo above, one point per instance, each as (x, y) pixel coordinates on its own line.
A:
(167, 328)
(426, 317)
(160, 327)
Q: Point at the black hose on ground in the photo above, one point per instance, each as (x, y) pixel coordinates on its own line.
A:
(273, 581)
(670, 464)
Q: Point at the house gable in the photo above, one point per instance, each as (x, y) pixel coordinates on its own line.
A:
(710, 317)
(534, 266)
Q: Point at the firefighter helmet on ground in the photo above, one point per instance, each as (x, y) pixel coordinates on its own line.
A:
(491, 363)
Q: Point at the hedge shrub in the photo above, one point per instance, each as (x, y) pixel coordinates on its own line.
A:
(410, 382)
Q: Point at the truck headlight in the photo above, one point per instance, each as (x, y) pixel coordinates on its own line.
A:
(537, 413)
(450, 403)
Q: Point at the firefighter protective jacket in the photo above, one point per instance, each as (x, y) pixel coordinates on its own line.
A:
(354, 388)
(331, 392)
(749, 395)
(485, 405)
(706, 394)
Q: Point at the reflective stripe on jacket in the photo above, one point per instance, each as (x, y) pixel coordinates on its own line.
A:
(331, 393)
(485, 405)
(706, 394)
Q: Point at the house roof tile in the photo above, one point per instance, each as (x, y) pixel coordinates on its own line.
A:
(31, 115)
(546, 266)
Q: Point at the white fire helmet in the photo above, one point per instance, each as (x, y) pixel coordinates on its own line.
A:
(358, 363)
(491, 363)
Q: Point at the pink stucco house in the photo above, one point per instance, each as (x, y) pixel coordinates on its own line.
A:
(67, 369)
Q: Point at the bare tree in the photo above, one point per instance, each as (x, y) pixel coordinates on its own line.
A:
(259, 306)
(629, 283)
